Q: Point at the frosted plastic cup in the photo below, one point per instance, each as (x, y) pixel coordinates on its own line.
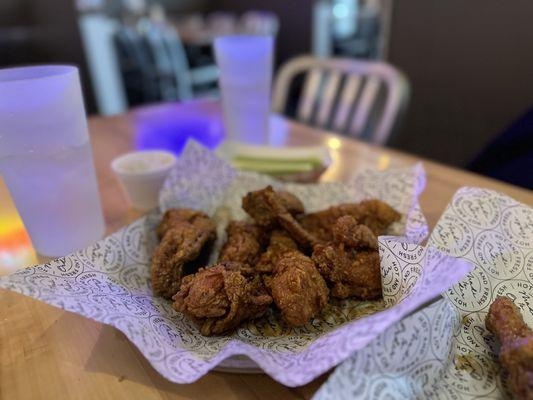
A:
(46, 159)
(142, 174)
(245, 64)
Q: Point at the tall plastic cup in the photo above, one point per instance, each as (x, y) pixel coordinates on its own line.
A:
(245, 64)
(46, 159)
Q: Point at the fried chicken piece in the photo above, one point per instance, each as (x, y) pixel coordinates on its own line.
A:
(280, 242)
(350, 264)
(270, 209)
(184, 247)
(265, 205)
(244, 243)
(348, 231)
(219, 298)
(298, 289)
(350, 273)
(179, 216)
(320, 223)
(303, 237)
(291, 203)
(516, 352)
(375, 214)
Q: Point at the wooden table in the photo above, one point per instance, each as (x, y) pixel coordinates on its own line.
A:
(48, 353)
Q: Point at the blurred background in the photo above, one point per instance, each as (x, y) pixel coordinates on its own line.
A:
(469, 64)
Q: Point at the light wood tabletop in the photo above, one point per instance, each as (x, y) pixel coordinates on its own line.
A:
(47, 353)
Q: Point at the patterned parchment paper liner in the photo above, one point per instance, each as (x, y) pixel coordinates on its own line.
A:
(109, 281)
(445, 351)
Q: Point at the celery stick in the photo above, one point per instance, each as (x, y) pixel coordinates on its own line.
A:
(277, 167)
(274, 160)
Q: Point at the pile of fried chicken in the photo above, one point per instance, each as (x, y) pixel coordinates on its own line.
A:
(282, 257)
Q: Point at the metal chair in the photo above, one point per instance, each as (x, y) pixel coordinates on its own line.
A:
(140, 78)
(360, 98)
(169, 89)
(171, 60)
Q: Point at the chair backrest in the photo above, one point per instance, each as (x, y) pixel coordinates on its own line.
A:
(137, 66)
(171, 60)
(132, 50)
(345, 95)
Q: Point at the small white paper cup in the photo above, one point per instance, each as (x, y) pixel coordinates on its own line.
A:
(142, 174)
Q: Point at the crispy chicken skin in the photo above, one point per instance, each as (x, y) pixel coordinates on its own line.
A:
(271, 209)
(350, 273)
(244, 243)
(505, 321)
(375, 214)
(219, 298)
(265, 205)
(280, 243)
(184, 241)
(348, 231)
(178, 216)
(350, 264)
(291, 203)
(298, 289)
(303, 237)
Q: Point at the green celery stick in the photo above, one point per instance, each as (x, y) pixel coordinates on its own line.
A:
(273, 160)
(277, 167)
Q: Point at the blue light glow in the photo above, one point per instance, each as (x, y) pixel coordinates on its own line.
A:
(340, 10)
(169, 126)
